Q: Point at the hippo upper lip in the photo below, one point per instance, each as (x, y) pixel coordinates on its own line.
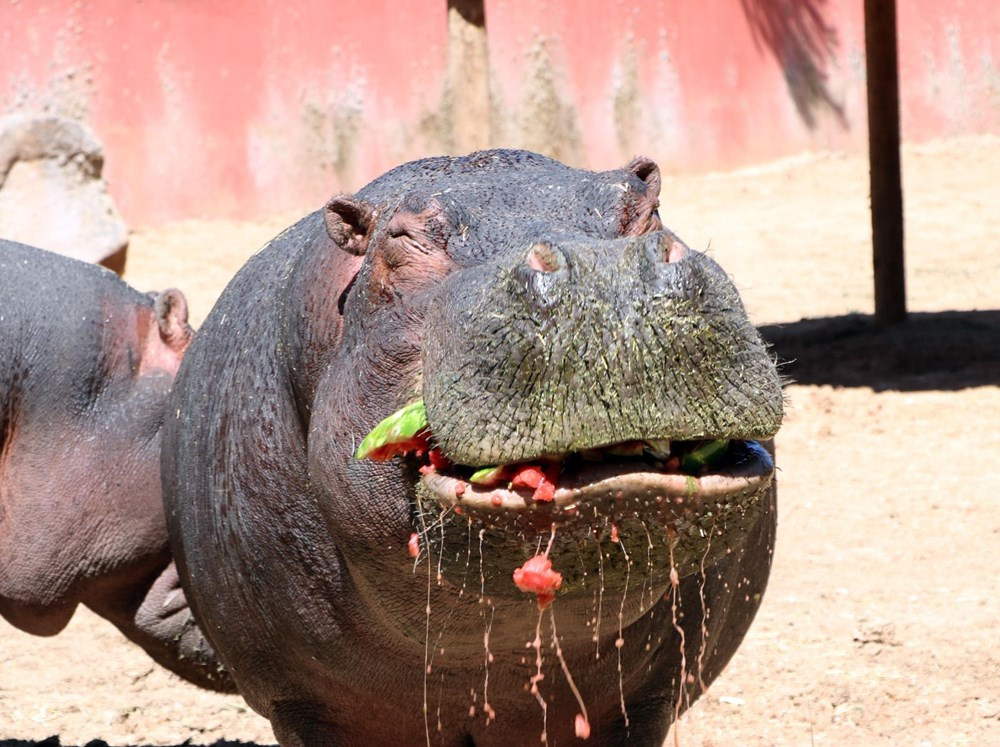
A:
(617, 344)
(634, 481)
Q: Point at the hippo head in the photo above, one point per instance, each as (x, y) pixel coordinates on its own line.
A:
(86, 367)
(592, 386)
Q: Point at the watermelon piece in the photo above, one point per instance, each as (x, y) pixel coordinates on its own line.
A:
(489, 475)
(403, 432)
(545, 492)
(705, 457)
(537, 577)
(438, 460)
(527, 476)
(416, 445)
(541, 479)
(581, 726)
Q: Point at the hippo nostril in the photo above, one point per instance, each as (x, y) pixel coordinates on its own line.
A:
(543, 257)
(673, 250)
(662, 248)
(543, 271)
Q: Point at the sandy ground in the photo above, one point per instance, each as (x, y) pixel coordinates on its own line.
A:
(881, 625)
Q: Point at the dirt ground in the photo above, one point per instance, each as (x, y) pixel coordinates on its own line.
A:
(881, 625)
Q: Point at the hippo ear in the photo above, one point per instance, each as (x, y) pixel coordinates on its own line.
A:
(647, 170)
(171, 311)
(349, 223)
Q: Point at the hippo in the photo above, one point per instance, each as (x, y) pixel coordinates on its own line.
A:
(86, 364)
(472, 456)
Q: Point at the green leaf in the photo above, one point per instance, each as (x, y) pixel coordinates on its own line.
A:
(402, 425)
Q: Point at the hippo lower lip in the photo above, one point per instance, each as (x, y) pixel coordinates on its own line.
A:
(597, 489)
(677, 522)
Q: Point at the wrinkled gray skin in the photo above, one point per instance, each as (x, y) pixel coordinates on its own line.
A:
(537, 309)
(86, 364)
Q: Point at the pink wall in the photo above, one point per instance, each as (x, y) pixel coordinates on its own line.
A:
(248, 107)
(697, 83)
(228, 107)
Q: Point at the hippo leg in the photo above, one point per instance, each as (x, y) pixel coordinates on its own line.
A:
(355, 722)
(165, 619)
(158, 619)
(297, 725)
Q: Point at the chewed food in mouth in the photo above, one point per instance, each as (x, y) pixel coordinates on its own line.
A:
(407, 433)
(635, 472)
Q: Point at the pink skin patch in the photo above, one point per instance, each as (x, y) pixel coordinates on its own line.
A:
(413, 546)
(676, 252)
(537, 577)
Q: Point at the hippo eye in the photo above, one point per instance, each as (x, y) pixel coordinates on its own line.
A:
(422, 230)
(400, 248)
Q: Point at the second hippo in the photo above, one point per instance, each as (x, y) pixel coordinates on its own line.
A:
(86, 364)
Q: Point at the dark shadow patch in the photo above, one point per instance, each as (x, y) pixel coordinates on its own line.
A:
(804, 44)
(55, 742)
(946, 350)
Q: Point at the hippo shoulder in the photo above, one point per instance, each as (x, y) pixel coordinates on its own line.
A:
(238, 370)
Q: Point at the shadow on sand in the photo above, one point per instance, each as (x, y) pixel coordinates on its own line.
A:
(946, 350)
(54, 742)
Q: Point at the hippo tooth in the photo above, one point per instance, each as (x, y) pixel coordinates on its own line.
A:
(659, 448)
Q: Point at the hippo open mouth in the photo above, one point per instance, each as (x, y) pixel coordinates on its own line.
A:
(659, 505)
(658, 484)
(596, 483)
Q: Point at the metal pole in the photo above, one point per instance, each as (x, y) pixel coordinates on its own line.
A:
(883, 155)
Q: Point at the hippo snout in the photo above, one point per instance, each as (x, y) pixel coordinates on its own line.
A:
(576, 343)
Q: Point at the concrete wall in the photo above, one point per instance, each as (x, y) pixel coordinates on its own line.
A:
(248, 107)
